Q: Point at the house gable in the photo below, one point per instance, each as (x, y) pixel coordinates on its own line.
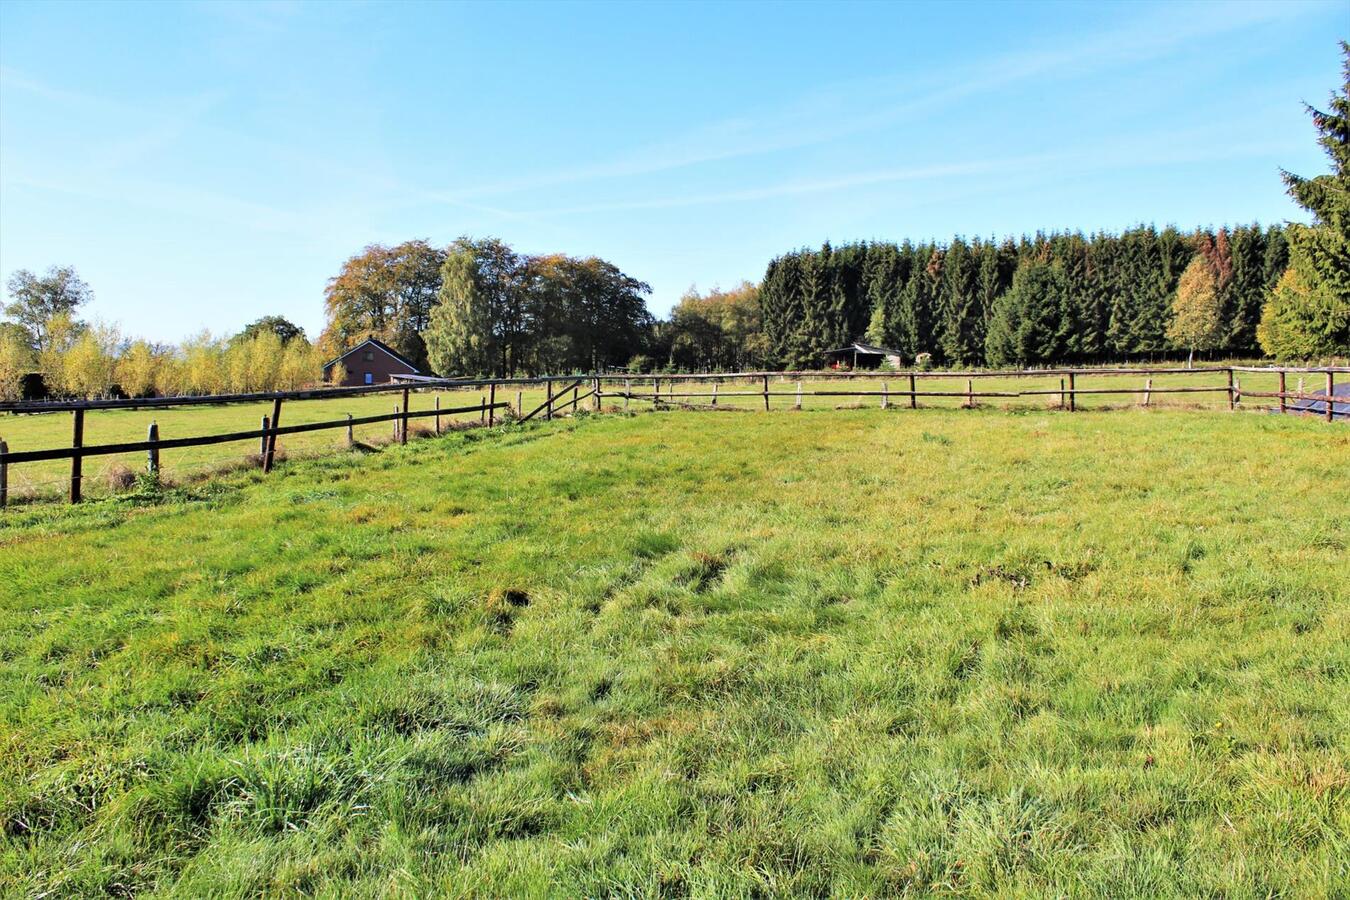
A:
(370, 362)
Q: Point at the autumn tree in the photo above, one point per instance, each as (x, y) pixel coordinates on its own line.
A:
(203, 365)
(139, 369)
(386, 293)
(719, 330)
(1197, 312)
(88, 364)
(16, 361)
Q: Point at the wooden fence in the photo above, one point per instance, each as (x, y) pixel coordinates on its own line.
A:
(660, 390)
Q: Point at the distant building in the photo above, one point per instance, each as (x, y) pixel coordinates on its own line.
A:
(861, 356)
(370, 362)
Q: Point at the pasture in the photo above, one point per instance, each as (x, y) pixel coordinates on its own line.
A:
(107, 474)
(834, 652)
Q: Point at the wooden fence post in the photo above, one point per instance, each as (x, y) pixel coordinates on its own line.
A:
(351, 433)
(970, 393)
(913, 394)
(1062, 397)
(1237, 390)
(1148, 392)
(1331, 384)
(1282, 391)
(595, 393)
(1232, 398)
(492, 404)
(152, 455)
(766, 393)
(1073, 394)
(627, 391)
(77, 461)
(520, 404)
(714, 393)
(262, 441)
(438, 413)
(4, 475)
(270, 456)
(403, 426)
(482, 410)
(548, 408)
(884, 397)
(798, 403)
(575, 389)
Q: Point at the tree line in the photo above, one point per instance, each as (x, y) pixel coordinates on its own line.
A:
(1072, 298)
(478, 307)
(1064, 297)
(46, 349)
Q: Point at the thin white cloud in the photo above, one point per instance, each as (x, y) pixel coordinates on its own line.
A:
(1175, 147)
(833, 111)
(791, 188)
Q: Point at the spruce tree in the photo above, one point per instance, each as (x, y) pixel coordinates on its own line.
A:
(1326, 244)
(1309, 312)
(961, 329)
(1022, 330)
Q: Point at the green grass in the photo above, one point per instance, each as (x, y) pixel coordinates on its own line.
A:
(829, 653)
(106, 474)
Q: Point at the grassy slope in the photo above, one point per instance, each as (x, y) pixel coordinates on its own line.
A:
(31, 432)
(844, 652)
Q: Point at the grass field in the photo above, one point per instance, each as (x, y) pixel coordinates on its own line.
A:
(823, 653)
(105, 474)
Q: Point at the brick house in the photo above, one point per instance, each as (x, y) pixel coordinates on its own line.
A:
(370, 362)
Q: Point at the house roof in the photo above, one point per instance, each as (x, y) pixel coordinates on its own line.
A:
(380, 345)
(864, 348)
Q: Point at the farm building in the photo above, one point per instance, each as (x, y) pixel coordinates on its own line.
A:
(861, 356)
(370, 362)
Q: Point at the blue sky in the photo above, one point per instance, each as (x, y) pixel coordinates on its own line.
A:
(204, 164)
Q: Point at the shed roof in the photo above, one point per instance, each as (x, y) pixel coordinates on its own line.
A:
(860, 347)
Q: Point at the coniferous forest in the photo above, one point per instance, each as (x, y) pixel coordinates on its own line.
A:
(1061, 297)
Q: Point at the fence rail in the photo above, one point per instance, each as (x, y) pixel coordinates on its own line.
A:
(661, 392)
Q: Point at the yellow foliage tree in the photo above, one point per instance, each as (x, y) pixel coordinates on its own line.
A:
(301, 365)
(1197, 312)
(16, 361)
(88, 366)
(203, 366)
(138, 369)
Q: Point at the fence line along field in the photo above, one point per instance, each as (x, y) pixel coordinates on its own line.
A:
(134, 422)
(843, 653)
